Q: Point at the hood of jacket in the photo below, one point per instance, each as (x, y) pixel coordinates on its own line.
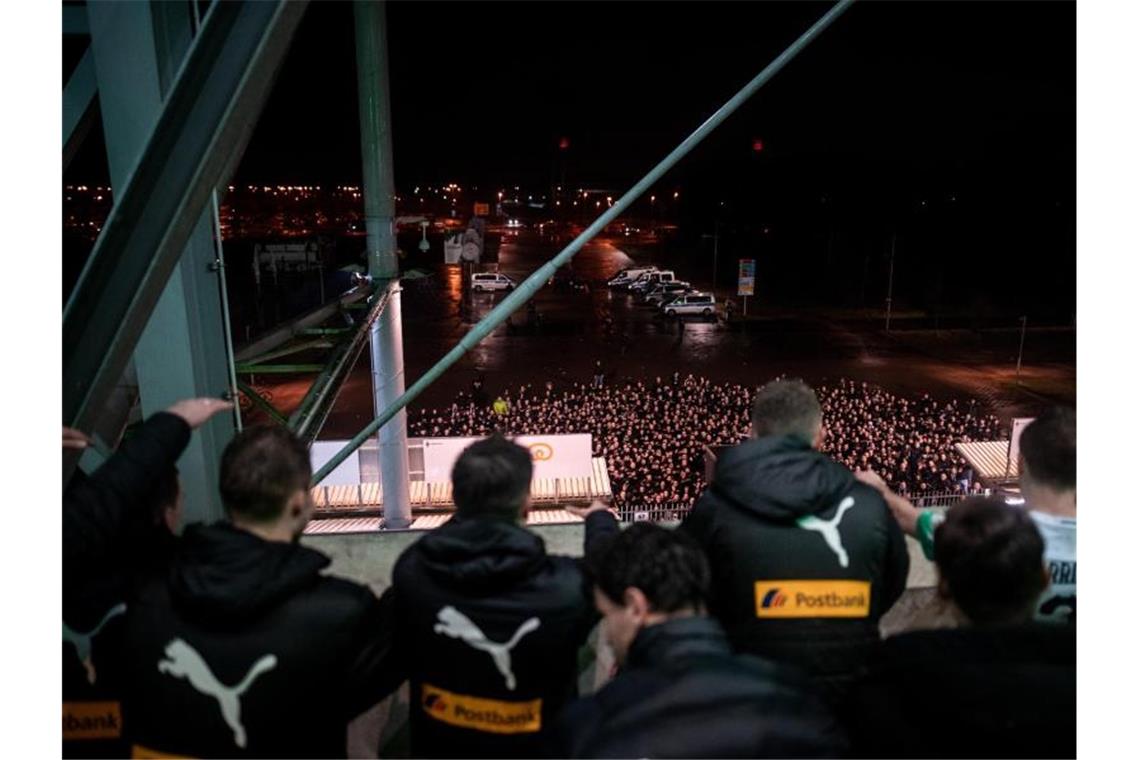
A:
(780, 477)
(477, 552)
(677, 639)
(223, 571)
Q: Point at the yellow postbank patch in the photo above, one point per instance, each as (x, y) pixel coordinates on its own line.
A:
(139, 752)
(92, 720)
(813, 599)
(491, 715)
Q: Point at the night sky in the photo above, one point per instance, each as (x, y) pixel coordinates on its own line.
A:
(951, 123)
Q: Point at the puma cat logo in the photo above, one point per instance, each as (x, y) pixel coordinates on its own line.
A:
(829, 529)
(82, 641)
(455, 624)
(183, 661)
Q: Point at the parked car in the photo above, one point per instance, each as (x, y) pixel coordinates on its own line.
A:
(649, 279)
(626, 276)
(690, 303)
(667, 291)
(490, 281)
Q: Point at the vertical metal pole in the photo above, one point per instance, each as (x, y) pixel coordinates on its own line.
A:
(1020, 349)
(386, 338)
(716, 242)
(891, 280)
(222, 292)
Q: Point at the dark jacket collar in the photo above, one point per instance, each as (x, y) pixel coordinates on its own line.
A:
(676, 640)
(780, 477)
(225, 572)
(481, 551)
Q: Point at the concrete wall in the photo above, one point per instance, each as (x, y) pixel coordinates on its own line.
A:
(369, 557)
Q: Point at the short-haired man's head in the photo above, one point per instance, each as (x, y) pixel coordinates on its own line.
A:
(645, 576)
(492, 478)
(263, 468)
(787, 407)
(667, 566)
(1048, 449)
(990, 559)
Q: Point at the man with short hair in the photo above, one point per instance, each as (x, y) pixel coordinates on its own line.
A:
(680, 691)
(489, 624)
(238, 645)
(805, 559)
(1047, 463)
(998, 686)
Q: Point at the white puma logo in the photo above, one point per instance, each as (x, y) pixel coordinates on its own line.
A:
(455, 624)
(82, 641)
(184, 662)
(829, 529)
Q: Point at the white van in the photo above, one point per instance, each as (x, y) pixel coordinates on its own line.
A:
(693, 303)
(491, 281)
(666, 291)
(650, 279)
(627, 276)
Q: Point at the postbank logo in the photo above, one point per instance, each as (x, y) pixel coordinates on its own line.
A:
(139, 752)
(91, 720)
(541, 452)
(813, 599)
(477, 713)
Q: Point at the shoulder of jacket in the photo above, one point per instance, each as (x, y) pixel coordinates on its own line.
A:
(336, 590)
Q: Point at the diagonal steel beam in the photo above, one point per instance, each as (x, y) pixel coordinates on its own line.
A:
(288, 350)
(261, 403)
(279, 336)
(78, 98)
(310, 416)
(205, 124)
(528, 287)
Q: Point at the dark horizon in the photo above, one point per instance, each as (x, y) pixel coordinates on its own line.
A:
(949, 124)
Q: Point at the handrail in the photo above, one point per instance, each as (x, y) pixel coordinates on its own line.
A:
(530, 285)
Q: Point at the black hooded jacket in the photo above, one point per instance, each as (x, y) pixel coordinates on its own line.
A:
(489, 626)
(805, 558)
(969, 692)
(683, 693)
(243, 648)
(233, 646)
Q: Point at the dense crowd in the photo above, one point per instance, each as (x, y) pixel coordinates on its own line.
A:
(652, 434)
(753, 629)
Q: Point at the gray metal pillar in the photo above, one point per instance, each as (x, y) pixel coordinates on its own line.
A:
(386, 336)
(138, 49)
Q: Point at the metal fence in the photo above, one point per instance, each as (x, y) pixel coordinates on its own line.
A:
(939, 499)
(652, 512)
(674, 512)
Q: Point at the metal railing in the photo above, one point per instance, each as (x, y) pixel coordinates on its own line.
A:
(672, 512)
(538, 278)
(939, 499)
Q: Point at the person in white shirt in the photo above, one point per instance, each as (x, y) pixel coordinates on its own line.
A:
(1047, 464)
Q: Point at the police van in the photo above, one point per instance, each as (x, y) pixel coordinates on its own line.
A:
(489, 281)
(649, 279)
(693, 303)
(627, 276)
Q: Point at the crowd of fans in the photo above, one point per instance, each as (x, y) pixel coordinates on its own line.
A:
(652, 434)
(751, 630)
